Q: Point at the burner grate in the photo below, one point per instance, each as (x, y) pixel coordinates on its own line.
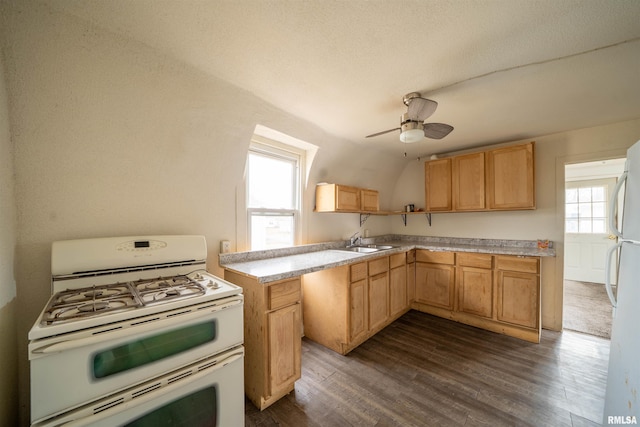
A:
(75, 304)
(165, 289)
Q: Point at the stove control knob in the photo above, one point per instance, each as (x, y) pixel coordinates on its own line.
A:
(198, 276)
(213, 285)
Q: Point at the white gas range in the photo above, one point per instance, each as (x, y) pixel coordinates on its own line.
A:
(136, 327)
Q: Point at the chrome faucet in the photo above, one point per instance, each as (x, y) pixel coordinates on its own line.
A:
(355, 239)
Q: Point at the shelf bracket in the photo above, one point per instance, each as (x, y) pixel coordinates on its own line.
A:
(363, 218)
(404, 219)
(429, 218)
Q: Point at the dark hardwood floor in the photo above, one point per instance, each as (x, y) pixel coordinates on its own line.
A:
(426, 371)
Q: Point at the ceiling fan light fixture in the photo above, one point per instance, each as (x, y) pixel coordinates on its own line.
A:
(411, 132)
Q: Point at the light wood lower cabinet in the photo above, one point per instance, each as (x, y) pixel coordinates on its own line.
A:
(474, 283)
(435, 278)
(344, 306)
(284, 349)
(518, 288)
(411, 276)
(499, 293)
(272, 337)
(398, 299)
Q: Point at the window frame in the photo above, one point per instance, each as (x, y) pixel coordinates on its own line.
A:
(269, 148)
(577, 186)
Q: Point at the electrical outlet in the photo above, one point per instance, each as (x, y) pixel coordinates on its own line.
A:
(225, 246)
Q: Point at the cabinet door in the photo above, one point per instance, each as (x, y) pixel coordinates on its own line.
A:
(369, 201)
(511, 177)
(475, 291)
(357, 309)
(378, 300)
(437, 177)
(518, 298)
(468, 182)
(347, 198)
(284, 347)
(411, 282)
(397, 290)
(435, 284)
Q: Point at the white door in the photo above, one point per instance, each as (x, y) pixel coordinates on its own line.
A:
(587, 238)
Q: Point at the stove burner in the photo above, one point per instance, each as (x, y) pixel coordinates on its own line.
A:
(165, 289)
(95, 306)
(74, 304)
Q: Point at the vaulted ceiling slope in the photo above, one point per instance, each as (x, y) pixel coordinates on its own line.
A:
(500, 70)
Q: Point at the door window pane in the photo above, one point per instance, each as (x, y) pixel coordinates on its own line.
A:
(586, 209)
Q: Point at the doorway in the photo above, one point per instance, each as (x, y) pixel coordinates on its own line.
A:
(588, 196)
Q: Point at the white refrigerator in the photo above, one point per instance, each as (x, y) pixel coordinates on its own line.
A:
(622, 399)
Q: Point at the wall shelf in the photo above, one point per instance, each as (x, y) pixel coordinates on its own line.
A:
(364, 216)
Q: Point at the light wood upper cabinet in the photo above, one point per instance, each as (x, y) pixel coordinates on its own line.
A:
(510, 177)
(336, 198)
(499, 179)
(437, 179)
(369, 201)
(344, 198)
(469, 182)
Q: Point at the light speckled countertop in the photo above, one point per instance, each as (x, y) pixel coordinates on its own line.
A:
(278, 264)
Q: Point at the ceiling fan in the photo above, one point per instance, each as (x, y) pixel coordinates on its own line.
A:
(412, 127)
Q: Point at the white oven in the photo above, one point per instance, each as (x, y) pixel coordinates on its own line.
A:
(125, 315)
(203, 394)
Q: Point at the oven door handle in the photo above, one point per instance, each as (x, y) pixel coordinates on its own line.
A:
(124, 331)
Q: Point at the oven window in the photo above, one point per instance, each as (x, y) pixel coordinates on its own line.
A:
(150, 349)
(197, 409)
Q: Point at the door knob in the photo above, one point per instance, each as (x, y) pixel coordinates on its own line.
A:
(612, 237)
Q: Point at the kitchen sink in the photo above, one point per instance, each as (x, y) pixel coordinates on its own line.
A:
(363, 249)
(368, 248)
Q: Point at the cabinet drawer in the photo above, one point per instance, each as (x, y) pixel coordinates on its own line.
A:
(283, 294)
(397, 260)
(515, 263)
(434, 257)
(378, 266)
(466, 259)
(358, 271)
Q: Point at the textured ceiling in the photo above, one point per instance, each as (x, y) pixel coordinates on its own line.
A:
(501, 70)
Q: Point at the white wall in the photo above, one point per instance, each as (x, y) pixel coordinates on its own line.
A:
(112, 138)
(552, 152)
(8, 236)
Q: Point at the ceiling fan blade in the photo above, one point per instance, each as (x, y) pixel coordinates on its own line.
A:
(381, 133)
(437, 130)
(421, 108)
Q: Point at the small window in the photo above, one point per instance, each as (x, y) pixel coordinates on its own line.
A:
(586, 210)
(273, 196)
